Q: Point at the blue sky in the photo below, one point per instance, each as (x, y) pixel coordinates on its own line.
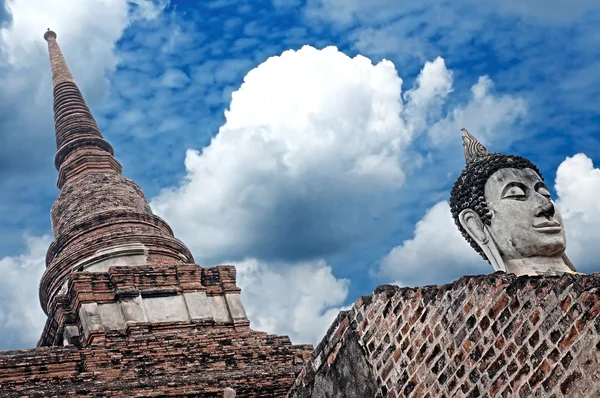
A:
(328, 176)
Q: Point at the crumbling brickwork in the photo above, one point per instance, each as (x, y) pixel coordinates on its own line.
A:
(493, 336)
(100, 211)
(152, 330)
(124, 295)
(165, 359)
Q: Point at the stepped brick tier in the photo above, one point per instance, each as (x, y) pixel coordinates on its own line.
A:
(483, 336)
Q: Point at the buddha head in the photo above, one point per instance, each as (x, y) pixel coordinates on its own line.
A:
(503, 208)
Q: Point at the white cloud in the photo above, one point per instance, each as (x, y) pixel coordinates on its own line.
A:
(425, 101)
(313, 142)
(436, 254)
(488, 116)
(174, 78)
(148, 9)
(299, 300)
(578, 189)
(87, 31)
(21, 316)
(314, 145)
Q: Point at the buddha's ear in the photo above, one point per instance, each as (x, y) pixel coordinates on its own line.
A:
(477, 230)
(471, 222)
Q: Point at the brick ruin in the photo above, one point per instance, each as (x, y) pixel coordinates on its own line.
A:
(131, 314)
(482, 336)
(177, 334)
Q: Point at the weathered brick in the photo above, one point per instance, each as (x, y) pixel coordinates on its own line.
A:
(505, 350)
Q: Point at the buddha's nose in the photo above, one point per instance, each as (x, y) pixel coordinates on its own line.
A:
(546, 208)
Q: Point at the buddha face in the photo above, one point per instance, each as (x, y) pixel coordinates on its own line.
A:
(525, 222)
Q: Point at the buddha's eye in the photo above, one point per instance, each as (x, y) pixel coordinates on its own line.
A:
(544, 192)
(514, 192)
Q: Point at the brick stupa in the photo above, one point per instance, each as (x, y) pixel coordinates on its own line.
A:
(129, 313)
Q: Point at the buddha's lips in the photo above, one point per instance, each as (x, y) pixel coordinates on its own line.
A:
(547, 224)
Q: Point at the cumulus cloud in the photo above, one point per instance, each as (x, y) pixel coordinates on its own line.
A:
(578, 189)
(560, 88)
(312, 144)
(436, 254)
(311, 157)
(425, 102)
(299, 300)
(487, 114)
(21, 316)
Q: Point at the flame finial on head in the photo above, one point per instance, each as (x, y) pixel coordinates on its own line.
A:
(473, 148)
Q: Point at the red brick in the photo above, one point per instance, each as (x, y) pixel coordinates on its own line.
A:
(519, 359)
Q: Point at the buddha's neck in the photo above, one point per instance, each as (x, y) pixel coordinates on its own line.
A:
(537, 266)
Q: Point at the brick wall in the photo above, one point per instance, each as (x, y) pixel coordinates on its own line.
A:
(495, 335)
(164, 359)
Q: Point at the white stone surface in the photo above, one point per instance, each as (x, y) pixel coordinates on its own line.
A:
(89, 317)
(198, 307)
(229, 392)
(236, 308)
(166, 308)
(70, 334)
(171, 308)
(133, 309)
(132, 254)
(218, 308)
(64, 288)
(111, 316)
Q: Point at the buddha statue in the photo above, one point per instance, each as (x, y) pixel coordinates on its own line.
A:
(504, 210)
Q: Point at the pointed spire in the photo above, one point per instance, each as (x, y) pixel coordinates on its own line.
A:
(473, 148)
(60, 70)
(81, 147)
